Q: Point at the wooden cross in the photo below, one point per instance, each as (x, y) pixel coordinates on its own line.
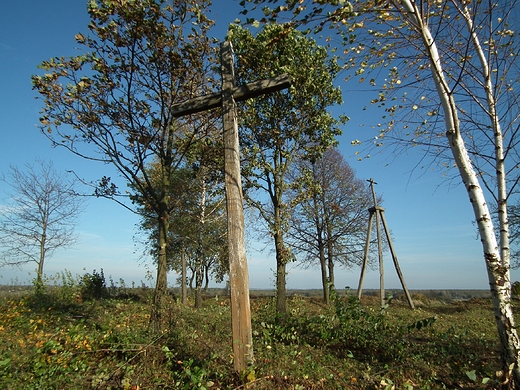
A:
(238, 275)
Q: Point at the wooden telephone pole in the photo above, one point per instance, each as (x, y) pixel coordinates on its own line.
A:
(238, 274)
(379, 212)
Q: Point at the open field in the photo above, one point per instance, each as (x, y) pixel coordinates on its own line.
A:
(64, 339)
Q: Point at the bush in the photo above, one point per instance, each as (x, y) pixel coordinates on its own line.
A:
(93, 286)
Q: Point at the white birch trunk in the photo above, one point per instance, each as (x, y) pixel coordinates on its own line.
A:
(199, 254)
(497, 135)
(497, 259)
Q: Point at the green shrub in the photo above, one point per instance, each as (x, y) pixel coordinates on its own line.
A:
(93, 286)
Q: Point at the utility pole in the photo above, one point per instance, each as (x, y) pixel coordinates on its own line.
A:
(379, 212)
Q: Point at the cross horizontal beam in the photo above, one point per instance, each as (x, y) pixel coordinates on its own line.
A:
(241, 93)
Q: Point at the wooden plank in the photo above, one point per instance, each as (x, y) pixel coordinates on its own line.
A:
(238, 273)
(198, 104)
(261, 87)
(241, 93)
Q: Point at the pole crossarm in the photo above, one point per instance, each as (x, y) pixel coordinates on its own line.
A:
(376, 208)
(240, 93)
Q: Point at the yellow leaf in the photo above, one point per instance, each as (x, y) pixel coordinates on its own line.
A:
(251, 376)
(80, 38)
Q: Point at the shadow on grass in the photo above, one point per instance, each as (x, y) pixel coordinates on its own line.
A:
(41, 303)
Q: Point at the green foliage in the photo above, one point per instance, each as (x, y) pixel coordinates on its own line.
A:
(38, 285)
(68, 290)
(347, 328)
(359, 329)
(292, 123)
(422, 323)
(115, 101)
(278, 128)
(62, 289)
(188, 374)
(93, 286)
(286, 333)
(198, 228)
(348, 345)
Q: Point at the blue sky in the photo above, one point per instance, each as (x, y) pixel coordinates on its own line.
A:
(431, 221)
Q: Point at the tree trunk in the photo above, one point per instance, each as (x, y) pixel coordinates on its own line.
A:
(324, 279)
(159, 298)
(192, 278)
(323, 265)
(331, 272)
(200, 252)
(329, 239)
(39, 276)
(184, 293)
(206, 279)
(282, 253)
(330, 258)
(199, 276)
(198, 284)
(281, 291)
(321, 245)
(499, 266)
(281, 274)
(498, 272)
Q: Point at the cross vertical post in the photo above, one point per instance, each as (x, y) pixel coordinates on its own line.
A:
(238, 273)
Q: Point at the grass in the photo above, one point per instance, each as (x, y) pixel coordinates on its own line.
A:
(59, 340)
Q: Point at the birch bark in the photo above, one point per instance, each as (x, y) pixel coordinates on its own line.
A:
(496, 258)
